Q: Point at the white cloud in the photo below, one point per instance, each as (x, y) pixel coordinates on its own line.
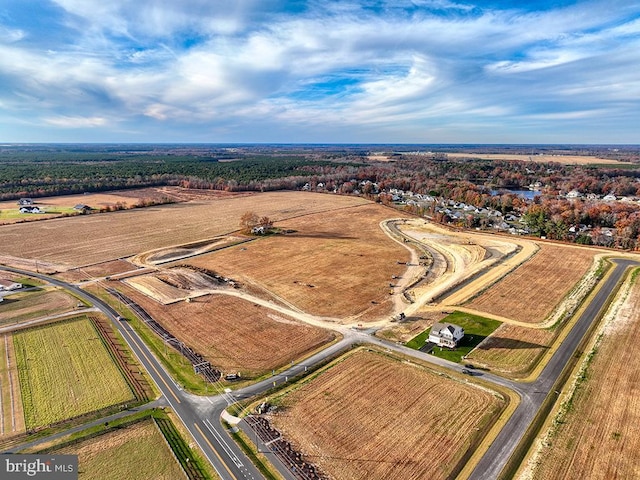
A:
(76, 122)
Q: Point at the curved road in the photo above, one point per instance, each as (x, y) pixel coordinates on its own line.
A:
(201, 415)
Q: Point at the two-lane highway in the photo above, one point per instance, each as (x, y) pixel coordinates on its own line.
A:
(201, 415)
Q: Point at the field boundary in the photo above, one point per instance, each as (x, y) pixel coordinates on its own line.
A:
(522, 449)
(139, 387)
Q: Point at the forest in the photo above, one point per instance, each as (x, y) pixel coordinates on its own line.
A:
(42, 170)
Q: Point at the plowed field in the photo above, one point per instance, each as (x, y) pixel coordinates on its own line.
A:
(599, 438)
(338, 264)
(234, 334)
(371, 416)
(512, 349)
(532, 291)
(89, 239)
(29, 305)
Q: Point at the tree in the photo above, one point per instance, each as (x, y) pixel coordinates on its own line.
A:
(248, 220)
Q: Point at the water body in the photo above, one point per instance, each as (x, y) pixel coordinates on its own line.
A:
(528, 194)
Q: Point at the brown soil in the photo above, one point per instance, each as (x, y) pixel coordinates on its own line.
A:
(599, 436)
(337, 265)
(233, 334)
(371, 416)
(512, 349)
(531, 292)
(89, 239)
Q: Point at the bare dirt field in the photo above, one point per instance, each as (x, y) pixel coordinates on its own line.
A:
(512, 349)
(234, 334)
(35, 304)
(89, 239)
(564, 159)
(598, 436)
(11, 413)
(405, 330)
(136, 452)
(372, 416)
(338, 265)
(457, 256)
(532, 291)
(97, 270)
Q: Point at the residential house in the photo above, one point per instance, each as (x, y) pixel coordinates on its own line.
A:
(446, 334)
(82, 208)
(25, 201)
(7, 285)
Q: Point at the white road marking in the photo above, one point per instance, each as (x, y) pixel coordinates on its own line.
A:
(224, 444)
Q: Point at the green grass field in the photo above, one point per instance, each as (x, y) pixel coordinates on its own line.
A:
(138, 451)
(65, 371)
(476, 329)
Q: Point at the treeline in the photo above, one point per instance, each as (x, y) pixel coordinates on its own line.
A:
(36, 177)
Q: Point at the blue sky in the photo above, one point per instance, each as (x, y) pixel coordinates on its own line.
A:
(387, 71)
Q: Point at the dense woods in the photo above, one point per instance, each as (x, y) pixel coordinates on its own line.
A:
(56, 170)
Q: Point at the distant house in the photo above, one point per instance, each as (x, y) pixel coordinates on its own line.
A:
(25, 201)
(30, 209)
(574, 194)
(446, 334)
(82, 208)
(259, 230)
(609, 198)
(7, 285)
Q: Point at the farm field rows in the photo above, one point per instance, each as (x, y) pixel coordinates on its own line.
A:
(533, 290)
(90, 239)
(137, 452)
(379, 417)
(338, 265)
(512, 349)
(564, 159)
(598, 435)
(35, 304)
(65, 371)
(234, 334)
(11, 414)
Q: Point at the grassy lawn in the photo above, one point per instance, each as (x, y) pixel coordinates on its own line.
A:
(476, 329)
(65, 371)
(22, 306)
(138, 451)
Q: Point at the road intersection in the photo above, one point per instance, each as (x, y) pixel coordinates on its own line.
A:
(201, 414)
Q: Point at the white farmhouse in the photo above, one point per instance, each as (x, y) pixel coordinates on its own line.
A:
(9, 285)
(446, 334)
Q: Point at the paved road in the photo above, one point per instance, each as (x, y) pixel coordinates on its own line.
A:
(200, 415)
(496, 457)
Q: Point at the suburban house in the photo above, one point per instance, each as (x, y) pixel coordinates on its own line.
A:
(25, 201)
(446, 334)
(9, 284)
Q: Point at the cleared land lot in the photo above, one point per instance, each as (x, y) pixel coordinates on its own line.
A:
(89, 239)
(512, 349)
(234, 334)
(532, 291)
(371, 416)
(65, 371)
(599, 435)
(35, 304)
(337, 264)
(564, 159)
(138, 451)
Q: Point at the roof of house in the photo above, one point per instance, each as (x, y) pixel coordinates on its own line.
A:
(438, 326)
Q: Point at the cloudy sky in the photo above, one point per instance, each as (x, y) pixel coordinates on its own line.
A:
(346, 71)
